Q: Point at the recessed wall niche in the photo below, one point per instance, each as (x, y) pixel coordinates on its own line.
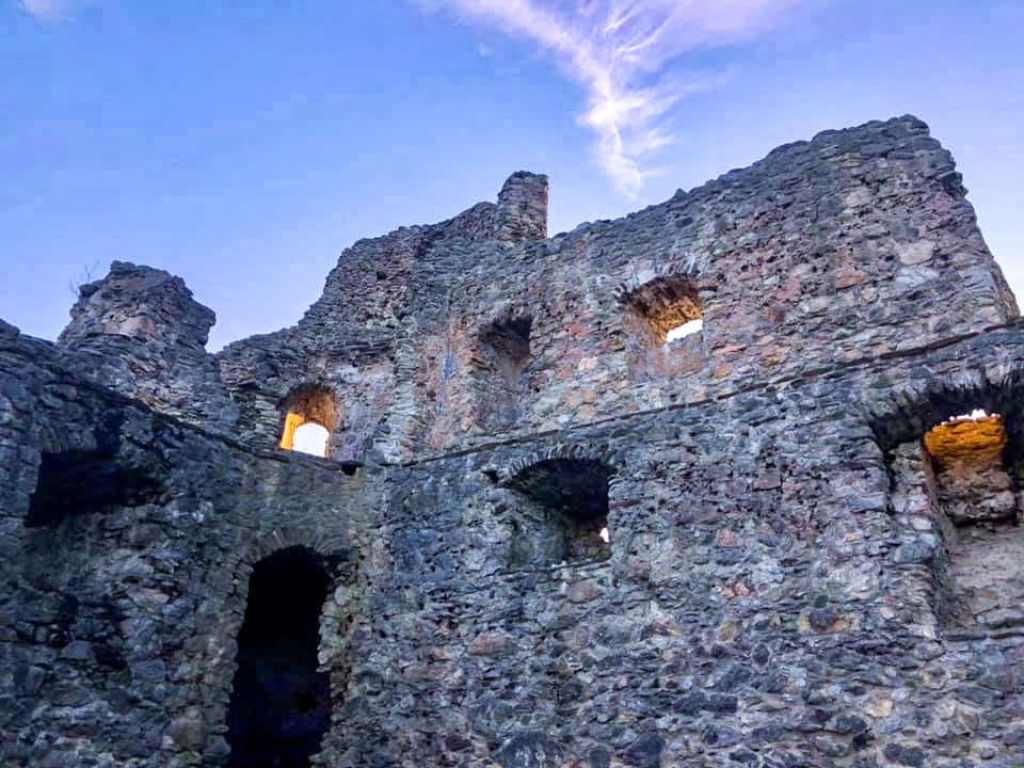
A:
(501, 380)
(75, 483)
(560, 514)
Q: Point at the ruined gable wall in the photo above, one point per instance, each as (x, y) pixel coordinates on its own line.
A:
(856, 244)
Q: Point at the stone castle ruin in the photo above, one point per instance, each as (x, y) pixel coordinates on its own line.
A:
(545, 528)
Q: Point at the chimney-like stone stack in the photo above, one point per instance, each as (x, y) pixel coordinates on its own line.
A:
(523, 208)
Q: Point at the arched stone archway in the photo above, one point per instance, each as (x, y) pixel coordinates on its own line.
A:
(906, 414)
(954, 454)
(563, 512)
(280, 702)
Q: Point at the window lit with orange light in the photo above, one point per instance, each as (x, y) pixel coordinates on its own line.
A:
(973, 438)
(311, 414)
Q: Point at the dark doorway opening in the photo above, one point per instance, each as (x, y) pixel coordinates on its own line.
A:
(280, 706)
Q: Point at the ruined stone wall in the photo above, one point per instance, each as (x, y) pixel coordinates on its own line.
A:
(771, 598)
(119, 619)
(789, 578)
(354, 339)
(856, 244)
(140, 332)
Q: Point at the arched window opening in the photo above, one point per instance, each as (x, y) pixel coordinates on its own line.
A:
(962, 480)
(314, 406)
(311, 438)
(505, 345)
(669, 308)
(562, 514)
(77, 483)
(280, 705)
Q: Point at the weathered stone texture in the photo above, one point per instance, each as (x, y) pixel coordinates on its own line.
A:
(790, 578)
(140, 332)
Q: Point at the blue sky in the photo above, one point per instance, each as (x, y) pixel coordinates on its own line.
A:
(243, 144)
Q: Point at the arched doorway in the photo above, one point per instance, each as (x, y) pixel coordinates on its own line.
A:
(280, 703)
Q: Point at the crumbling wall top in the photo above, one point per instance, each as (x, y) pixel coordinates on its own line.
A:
(139, 302)
(140, 332)
(523, 207)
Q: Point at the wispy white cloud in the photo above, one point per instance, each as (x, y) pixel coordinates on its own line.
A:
(619, 51)
(51, 11)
